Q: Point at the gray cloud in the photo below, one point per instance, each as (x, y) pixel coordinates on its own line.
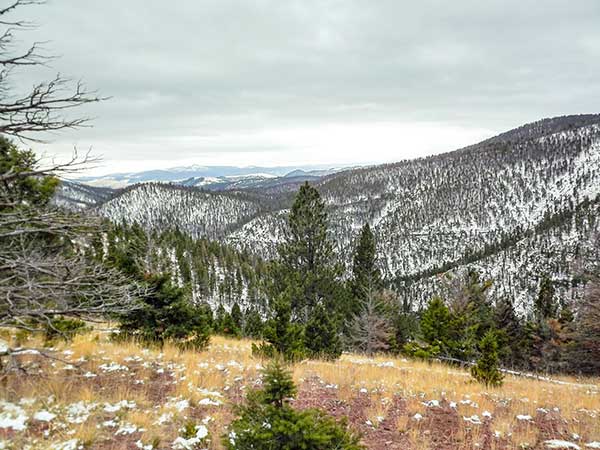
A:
(234, 68)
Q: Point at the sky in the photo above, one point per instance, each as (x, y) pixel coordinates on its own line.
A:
(309, 82)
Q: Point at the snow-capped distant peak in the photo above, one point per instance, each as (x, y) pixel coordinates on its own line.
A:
(251, 175)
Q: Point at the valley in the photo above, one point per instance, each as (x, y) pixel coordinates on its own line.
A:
(299, 225)
(515, 207)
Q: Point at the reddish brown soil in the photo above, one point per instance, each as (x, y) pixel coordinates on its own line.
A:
(440, 428)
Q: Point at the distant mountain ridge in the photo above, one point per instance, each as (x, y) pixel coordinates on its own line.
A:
(520, 205)
(181, 174)
(251, 182)
(87, 192)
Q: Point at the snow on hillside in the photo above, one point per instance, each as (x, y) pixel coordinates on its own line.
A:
(75, 196)
(197, 213)
(429, 215)
(261, 234)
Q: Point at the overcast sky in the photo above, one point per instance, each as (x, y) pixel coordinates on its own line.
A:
(281, 82)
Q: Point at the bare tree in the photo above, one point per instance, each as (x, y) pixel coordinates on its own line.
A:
(46, 270)
(370, 329)
(45, 106)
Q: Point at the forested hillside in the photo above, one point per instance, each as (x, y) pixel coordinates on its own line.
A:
(167, 207)
(560, 247)
(490, 202)
(210, 272)
(77, 196)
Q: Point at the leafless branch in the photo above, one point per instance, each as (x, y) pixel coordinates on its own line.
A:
(42, 109)
(44, 269)
(75, 164)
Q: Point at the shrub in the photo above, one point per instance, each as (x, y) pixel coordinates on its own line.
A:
(63, 328)
(267, 421)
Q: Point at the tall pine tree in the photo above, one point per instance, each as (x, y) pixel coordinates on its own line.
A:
(307, 273)
(366, 276)
(307, 265)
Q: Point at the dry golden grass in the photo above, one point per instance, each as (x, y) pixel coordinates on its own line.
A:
(402, 423)
(438, 381)
(86, 433)
(525, 436)
(377, 412)
(228, 364)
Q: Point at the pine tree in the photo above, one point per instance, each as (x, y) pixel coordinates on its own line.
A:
(306, 267)
(267, 421)
(472, 314)
(206, 311)
(366, 276)
(510, 333)
(166, 315)
(542, 330)
(486, 369)
(405, 326)
(283, 339)
(23, 191)
(228, 326)
(566, 316)
(404, 319)
(545, 306)
(253, 324)
(436, 323)
(278, 385)
(127, 247)
(535, 335)
(435, 333)
(321, 337)
(219, 320)
(236, 316)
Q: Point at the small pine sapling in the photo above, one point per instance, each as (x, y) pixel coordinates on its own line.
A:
(486, 370)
